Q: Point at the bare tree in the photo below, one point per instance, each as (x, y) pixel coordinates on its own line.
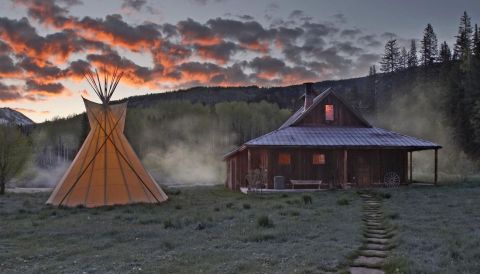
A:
(14, 154)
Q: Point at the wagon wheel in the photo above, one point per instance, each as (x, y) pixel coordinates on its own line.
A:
(391, 179)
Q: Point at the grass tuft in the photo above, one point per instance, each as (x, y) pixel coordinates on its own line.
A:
(264, 221)
(343, 201)
(307, 199)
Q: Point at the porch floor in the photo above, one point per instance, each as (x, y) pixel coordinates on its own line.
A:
(245, 190)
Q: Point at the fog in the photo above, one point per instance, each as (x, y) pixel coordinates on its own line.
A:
(419, 113)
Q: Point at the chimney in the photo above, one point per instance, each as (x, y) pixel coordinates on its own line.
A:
(309, 95)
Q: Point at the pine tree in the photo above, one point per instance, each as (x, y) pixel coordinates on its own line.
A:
(429, 49)
(445, 53)
(390, 59)
(412, 55)
(403, 60)
(463, 45)
(476, 42)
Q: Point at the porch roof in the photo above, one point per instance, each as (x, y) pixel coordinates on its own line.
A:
(340, 137)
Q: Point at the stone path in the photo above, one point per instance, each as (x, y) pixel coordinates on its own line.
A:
(377, 239)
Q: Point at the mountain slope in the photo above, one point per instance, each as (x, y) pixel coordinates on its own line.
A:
(8, 115)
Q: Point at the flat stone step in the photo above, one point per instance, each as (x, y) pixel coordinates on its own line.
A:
(365, 270)
(377, 241)
(374, 262)
(374, 223)
(377, 231)
(374, 253)
(376, 247)
(378, 236)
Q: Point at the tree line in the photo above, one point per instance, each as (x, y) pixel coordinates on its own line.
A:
(449, 74)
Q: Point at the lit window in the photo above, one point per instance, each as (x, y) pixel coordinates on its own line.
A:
(318, 159)
(329, 112)
(284, 159)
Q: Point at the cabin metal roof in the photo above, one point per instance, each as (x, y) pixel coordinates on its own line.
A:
(329, 137)
(340, 137)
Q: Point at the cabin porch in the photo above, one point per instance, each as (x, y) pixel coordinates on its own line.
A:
(315, 169)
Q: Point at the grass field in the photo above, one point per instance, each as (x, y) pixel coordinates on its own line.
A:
(438, 228)
(200, 230)
(212, 230)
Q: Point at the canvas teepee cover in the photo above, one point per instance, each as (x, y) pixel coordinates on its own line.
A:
(106, 170)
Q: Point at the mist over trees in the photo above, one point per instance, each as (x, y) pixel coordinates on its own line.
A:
(14, 153)
(446, 82)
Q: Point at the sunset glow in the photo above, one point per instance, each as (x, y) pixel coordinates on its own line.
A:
(47, 45)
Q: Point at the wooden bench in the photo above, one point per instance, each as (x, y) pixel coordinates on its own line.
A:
(305, 182)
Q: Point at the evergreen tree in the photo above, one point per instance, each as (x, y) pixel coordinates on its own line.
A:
(445, 53)
(429, 49)
(412, 55)
(390, 59)
(476, 42)
(463, 45)
(403, 60)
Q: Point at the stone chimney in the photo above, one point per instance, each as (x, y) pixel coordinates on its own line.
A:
(309, 95)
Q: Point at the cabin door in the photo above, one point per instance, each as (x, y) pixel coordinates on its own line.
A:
(361, 168)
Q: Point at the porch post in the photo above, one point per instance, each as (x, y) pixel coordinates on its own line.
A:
(411, 167)
(435, 180)
(345, 167)
(249, 161)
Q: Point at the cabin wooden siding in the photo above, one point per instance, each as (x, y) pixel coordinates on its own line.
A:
(342, 115)
(365, 168)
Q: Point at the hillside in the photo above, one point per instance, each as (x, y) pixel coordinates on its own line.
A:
(284, 97)
(11, 116)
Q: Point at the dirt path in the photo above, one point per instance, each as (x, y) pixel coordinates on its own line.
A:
(377, 238)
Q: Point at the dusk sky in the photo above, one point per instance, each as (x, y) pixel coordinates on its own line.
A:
(46, 45)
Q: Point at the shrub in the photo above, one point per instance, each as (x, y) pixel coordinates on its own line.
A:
(343, 201)
(200, 226)
(173, 191)
(246, 206)
(168, 224)
(216, 209)
(393, 216)
(178, 207)
(260, 237)
(307, 199)
(229, 205)
(284, 195)
(264, 221)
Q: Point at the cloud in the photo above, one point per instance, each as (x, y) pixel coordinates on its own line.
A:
(134, 4)
(32, 111)
(369, 40)
(9, 93)
(251, 35)
(44, 88)
(222, 52)
(350, 33)
(233, 50)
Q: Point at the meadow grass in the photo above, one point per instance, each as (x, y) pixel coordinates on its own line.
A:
(438, 228)
(199, 230)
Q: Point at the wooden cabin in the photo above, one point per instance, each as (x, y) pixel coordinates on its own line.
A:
(325, 144)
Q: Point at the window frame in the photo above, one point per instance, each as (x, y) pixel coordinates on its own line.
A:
(282, 156)
(329, 115)
(321, 156)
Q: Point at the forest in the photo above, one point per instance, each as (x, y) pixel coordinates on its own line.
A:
(430, 90)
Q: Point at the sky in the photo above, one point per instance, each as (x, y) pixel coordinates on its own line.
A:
(47, 45)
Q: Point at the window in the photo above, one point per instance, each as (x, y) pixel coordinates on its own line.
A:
(284, 159)
(329, 113)
(318, 159)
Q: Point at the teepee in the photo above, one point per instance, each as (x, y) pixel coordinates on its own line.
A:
(106, 170)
